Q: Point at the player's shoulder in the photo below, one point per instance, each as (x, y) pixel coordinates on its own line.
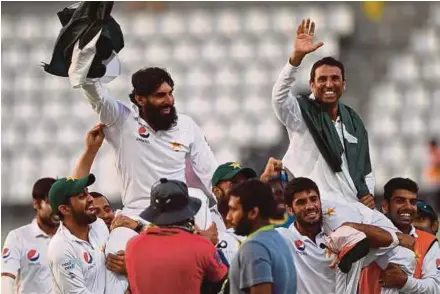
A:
(185, 120)
(18, 234)
(59, 246)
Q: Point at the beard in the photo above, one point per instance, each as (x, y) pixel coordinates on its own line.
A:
(160, 122)
(50, 221)
(83, 218)
(306, 224)
(243, 228)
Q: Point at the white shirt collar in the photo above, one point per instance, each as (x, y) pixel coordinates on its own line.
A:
(66, 232)
(304, 237)
(37, 230)
(413, 232)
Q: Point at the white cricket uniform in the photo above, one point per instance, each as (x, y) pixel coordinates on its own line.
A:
(143, 155)
(78, 266)
(430, 281)
(302, 157)
(229, 243)
(25, 256)
(311, 261)
(118, 239)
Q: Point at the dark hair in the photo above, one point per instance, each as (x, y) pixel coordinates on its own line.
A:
(327, 61)
(66, 202)
(41, 188)
(399, 183)
(97, 195)
(433, 143)
(146, 81)
(297, 185)
(255, 193)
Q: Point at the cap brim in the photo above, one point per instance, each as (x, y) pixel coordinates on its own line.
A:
(247, 172)
(155, 217)
(83, 183)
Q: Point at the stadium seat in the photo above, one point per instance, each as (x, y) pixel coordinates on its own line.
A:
(200, 22)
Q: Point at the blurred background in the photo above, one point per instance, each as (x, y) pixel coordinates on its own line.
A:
(224, 58)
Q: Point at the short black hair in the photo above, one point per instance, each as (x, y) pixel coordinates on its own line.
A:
(146, 81)
(399, 183)
(97, 195)
(297, 185)
(40, 190)
(255, 193)
(66, 202)
(326, 61)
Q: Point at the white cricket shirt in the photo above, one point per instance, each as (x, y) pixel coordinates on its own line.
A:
(302, 157)
(311, 262)
(25, 256)
(143, 156)
(78, 266)
(229, 243)
(118, 239)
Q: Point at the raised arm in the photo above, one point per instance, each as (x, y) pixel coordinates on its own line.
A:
(94, 139)
(284, 103)
(111, 111)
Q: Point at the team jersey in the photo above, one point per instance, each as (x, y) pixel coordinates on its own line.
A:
(312, 262)
(118, 239)
(143, 156)
(229, 243)
(24, 255)
(78, 266)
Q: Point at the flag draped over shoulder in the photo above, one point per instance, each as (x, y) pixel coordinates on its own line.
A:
(327, 139)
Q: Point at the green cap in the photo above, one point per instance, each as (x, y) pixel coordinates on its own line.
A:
(65, 188)
(229, 170)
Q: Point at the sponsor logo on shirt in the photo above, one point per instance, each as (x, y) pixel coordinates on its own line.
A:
(33, 255)
(87, 257)
(68, 265)
(300, 245)
(143, 132)
(438, 264)
(6, 253)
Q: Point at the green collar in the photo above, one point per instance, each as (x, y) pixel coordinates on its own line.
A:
(262, 229)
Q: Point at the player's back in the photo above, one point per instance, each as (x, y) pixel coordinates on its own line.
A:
(171, 261)
(24, 255)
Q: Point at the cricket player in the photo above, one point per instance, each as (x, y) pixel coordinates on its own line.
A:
(25, 268)
(315, 218)
(400, 205)
(150, 140)
(76, 252)
(328, 141)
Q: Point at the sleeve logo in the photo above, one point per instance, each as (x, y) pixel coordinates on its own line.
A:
(6, 253)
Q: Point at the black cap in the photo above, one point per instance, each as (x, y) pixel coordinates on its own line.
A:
(170, 203)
